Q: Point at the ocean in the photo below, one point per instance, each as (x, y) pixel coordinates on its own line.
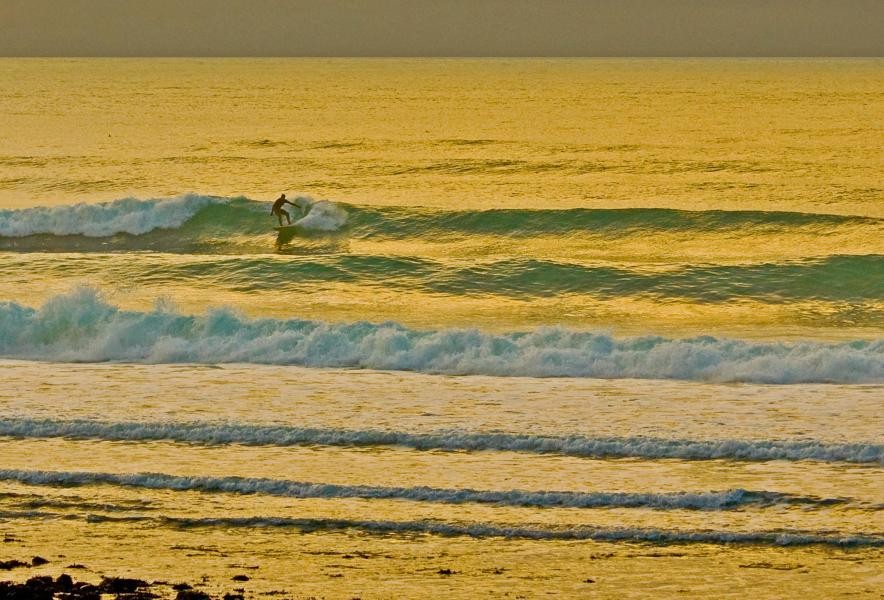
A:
(544, 328)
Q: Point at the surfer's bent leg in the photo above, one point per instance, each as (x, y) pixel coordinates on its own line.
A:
(283, 212)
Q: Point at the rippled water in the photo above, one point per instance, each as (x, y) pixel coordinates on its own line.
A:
(540, 322)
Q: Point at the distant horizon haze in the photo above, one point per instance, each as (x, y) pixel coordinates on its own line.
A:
(450, 29)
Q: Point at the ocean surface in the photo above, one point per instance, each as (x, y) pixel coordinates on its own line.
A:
(544, 328)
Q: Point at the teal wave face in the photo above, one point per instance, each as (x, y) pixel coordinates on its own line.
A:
(411, 222)
(834, 279)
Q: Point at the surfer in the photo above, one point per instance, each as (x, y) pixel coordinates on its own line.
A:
(278, 210)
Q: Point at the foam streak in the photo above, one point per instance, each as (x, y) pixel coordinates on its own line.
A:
(724, 500)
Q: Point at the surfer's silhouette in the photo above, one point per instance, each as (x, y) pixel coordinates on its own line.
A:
(278, 210)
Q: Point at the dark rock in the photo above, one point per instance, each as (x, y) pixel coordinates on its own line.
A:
(75, 566)
(233, 597)
(240, 578)
(7, 565)
(446, 572)
(192, 595)
(64, 583)
(182, 586)
(80, 594)
(589, 581)
(38, 560)
(121, 585)
(139, 595)
(38, 588)
(24, 591)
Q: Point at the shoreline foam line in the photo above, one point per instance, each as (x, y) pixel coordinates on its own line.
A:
(207, 433)
(714, 500)
(486, 530)
(638, 535)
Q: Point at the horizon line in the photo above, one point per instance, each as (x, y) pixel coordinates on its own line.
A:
(454, 56)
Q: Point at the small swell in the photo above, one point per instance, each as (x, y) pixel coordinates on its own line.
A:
(453, 440)
(724, 500)
(488, 530)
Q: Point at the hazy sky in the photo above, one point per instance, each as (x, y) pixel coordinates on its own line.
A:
(441, 27)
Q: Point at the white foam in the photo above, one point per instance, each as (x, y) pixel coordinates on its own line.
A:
(128, 215)
(723, 500)
(322, 215)
(79, 326)
(575, 445)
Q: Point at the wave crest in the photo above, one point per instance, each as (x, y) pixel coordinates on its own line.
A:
(128, 215)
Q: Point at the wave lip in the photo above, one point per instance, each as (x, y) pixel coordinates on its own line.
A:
(489, 530)
(81, 327)
(723, 500)
(574, 445)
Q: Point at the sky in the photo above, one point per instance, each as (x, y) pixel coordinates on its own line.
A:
(441, 27)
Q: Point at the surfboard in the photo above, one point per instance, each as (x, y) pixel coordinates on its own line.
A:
(286, 228)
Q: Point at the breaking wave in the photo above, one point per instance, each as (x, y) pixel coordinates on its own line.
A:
(81, 327)
(453, 440)
(724, 500)
(190, 223)
(195, 223)
(128, 215)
